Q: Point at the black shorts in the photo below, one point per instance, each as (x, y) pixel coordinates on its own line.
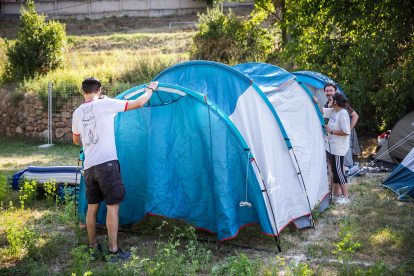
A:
(337, 169)
(104, 182)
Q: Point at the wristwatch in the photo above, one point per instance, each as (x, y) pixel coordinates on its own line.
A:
(332, 131)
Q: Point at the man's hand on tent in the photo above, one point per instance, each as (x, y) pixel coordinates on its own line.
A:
(316, 101)
(144, 98)
(153, 85)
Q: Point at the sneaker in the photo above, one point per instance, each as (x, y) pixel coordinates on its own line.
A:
(335, 198)
(343, 200)
(119, 255)
(332, 194)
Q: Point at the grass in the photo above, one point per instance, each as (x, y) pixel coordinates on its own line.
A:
(374, 235)
(117, 58)
(138, 42)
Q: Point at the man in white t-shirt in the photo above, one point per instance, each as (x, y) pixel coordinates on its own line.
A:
(93, 128)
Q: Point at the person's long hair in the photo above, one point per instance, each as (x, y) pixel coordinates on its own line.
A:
(340, 99)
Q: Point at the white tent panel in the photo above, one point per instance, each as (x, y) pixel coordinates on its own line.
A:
(301, 122)
(263, 135)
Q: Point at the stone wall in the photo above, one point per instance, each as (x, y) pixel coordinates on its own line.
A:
(29, 118)
(93, 9)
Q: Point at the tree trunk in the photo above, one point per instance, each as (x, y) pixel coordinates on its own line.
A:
(280, 17)
(283, 21)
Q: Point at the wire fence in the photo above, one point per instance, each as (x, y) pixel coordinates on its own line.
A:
(24, 110)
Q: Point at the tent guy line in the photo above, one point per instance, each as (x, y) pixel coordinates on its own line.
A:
(401, 142)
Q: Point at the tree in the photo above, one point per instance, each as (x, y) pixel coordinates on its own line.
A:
(273, 10)
(227, 39)
(38, 49)
(367, 46)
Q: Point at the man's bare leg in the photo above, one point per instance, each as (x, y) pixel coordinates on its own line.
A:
(91, 223)
(112, 223)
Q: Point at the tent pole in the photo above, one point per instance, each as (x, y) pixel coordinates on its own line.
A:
(306, 192)
(278, 243)
(271, 207)
(330, 161)
(76, 180)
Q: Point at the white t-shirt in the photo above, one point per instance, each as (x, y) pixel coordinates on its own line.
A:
(94, 121)
(337, 121)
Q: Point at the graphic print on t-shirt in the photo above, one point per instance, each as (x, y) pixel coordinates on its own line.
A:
(89, 126)
(331, 122)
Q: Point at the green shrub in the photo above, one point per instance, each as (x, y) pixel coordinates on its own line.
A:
(81, 259)
(300, 269)
(50, 193)
(27, 192)
(68, 213)
(38, 49)
(239, 265)
(227, 39)
(4, 188)
(21, 238)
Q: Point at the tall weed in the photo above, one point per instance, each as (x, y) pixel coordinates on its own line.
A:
(300, 269)
(238, 265)
(347, 247)
(21, 239)
(171, 257)
(50, 193)
(68, 213)
(27, 192)
(5, 188)
(200, 257)
(81, 260)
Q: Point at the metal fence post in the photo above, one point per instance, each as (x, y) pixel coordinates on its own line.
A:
(49, 119)
(50, 113)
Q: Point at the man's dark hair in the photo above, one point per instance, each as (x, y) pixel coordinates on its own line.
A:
(329, 84)
(91, 85)
(340, 99)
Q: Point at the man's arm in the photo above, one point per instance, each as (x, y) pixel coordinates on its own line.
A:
(354, 119)
(143, 99)
(77, 140)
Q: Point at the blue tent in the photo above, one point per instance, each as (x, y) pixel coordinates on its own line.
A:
(181, 157)
(267, 77)
(401, 181)
(316, 79)
(251, 111)
(206, 143)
